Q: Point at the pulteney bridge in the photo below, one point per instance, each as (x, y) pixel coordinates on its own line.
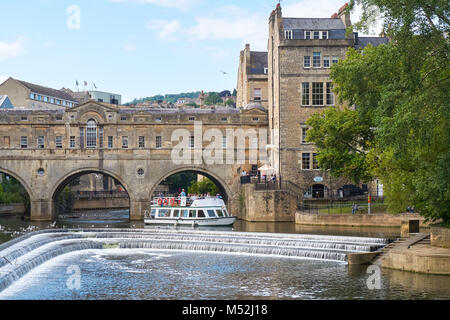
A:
(47, 149)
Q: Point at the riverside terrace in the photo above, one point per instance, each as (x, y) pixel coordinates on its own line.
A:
(46, 149)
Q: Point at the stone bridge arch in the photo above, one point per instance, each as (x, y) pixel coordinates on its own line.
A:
(222, 178)
(65, 179)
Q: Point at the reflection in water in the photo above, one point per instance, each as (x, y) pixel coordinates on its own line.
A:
(146, 274)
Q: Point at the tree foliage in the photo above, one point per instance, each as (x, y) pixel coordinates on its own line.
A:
(213, 98)
(397, 127)
(204, 186)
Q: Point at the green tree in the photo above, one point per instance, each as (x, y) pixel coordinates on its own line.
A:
(203, 187)
(213, 98)
(398, 126)
(230, 103)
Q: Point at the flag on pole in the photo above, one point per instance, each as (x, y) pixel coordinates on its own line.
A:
(85, 83)
(77, 82)
(94, 85)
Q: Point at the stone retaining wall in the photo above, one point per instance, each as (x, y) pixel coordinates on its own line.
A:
(12, 208)
(440, 237)
(372, 220)
(267, 205)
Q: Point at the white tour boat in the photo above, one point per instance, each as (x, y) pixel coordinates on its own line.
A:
(186, 211)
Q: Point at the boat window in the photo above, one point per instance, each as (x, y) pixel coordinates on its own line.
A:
(211, 213)
(176, 213)
(153, 214)
(192, 214)
(164, 213)
(225, 212)
(201, 214)
(219, 213)
(184, 213)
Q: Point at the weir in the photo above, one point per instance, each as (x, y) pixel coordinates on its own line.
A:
(21, 255)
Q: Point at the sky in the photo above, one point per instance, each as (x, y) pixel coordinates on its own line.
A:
(138, 48)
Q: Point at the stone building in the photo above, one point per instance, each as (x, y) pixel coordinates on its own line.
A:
(252, 78)
(300, 54)
(28, 95)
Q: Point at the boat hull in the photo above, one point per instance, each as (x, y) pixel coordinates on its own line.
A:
(225, 221)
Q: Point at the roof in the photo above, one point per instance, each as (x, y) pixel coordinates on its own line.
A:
(258, 61)
(313, 24)
(59, 94)
(362, 42)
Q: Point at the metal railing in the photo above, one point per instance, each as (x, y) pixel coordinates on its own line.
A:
(79, 195)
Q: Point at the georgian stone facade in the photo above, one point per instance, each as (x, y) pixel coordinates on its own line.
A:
(300, 54)
(45, 150)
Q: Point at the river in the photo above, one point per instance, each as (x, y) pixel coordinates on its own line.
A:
(168, 274)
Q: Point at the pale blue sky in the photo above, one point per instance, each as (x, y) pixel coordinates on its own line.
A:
(137, 48)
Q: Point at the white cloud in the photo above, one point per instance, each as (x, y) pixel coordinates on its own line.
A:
(3, 78)
(231, 23)
(166, 29)
(129, 47)
(12, 49)
(179, 4)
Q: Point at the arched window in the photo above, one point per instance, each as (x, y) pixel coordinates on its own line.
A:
(91, 134)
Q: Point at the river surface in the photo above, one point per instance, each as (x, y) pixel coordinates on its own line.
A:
(162, 274)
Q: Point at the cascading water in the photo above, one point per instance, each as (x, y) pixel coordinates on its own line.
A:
(21, 255)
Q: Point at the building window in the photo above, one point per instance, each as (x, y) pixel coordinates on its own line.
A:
(45, 99)
(59, 118)
(316, 35)
(326, 61)
(91, 134)
(72, 142)
(288, 34)
(58, 142)
(191, 118)
(52, 100)
(7, 142)
(307, 61)
(141, 142)
(316, 59)
(330, 94)
(32, 96)
(110, 142)
(124, 142)
(324, 34)
(335, 60)
(307, 35)
(24, 118)
(224, 142)
(304, 132)
(58, 101)
(123, 118)
(257, 94)
(158, 142)
(305, 161)
(317, 93)
(39, 97)
(315, 163)
(81, 138)
(159, 119)
(191, 142)
(100, 137)
(305, 93)
(41, 142)
(224, 119)
(254, 145)
(23, 142)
